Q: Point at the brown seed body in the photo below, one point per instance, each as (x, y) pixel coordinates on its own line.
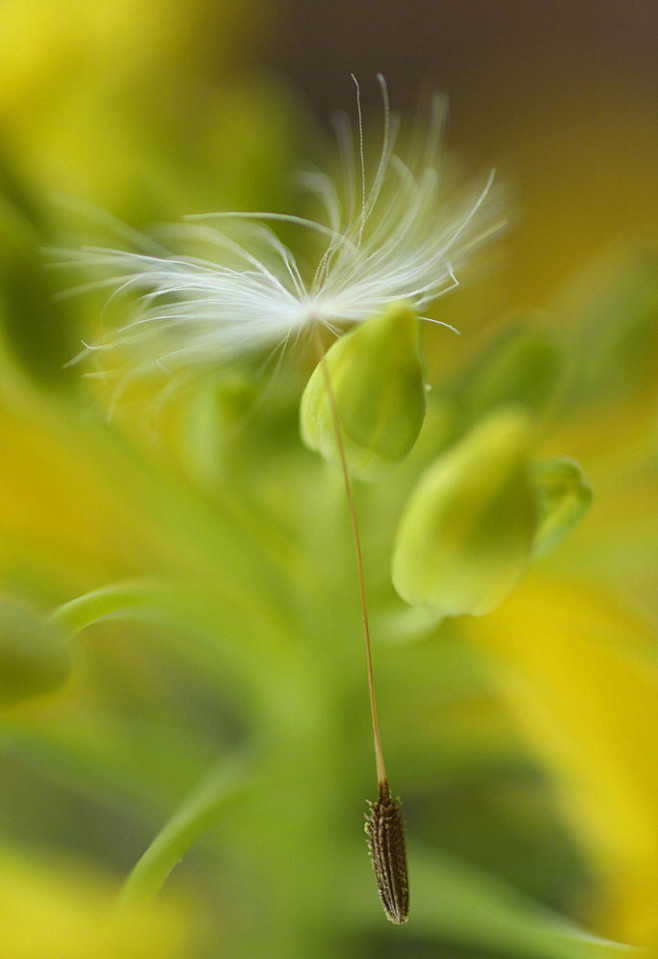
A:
(385, 831)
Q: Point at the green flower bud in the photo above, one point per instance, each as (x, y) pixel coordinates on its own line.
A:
(378, 383)
(466, 534)
(564, 496)
(34, 657)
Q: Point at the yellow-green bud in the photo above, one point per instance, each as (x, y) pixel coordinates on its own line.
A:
(34, 657)
(377, 378)
(466, 534)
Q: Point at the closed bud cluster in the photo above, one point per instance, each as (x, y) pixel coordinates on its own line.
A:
(466, 535)
(377, 379)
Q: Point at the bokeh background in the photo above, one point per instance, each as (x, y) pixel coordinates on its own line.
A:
(523, 743)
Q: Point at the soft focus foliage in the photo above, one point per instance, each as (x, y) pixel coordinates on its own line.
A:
(33, 654)
(62, 908)
(182, 663)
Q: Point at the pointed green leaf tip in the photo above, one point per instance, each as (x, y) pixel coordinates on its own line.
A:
(466, 534)
(564, 496)
(377, 378)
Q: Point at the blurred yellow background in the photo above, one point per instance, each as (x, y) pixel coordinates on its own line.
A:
(527, 738)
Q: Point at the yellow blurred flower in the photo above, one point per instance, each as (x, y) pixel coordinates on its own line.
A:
(574, 648)
(53, 907)
(570, 659)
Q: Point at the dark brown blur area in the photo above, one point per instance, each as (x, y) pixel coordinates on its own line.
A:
(561, 98)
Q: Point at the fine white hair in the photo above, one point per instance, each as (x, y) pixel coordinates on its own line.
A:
(397, 234)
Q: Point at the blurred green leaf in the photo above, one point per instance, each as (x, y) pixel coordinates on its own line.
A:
(188, 823)
(37, 326)
(612, 304)
(520, 367)
(34, 656)
(454, 901)
(81, 612)
(564, 496)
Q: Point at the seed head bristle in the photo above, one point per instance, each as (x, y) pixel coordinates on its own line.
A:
(385, 832)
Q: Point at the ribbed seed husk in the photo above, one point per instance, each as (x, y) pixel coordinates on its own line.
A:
(385, 832)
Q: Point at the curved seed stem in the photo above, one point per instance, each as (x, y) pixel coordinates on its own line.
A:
(379, 755)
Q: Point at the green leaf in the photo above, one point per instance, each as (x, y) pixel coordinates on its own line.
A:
(34, 656)
(117, 598)
(521, 368)
(564, 496)
(188, 823)
(454, 901)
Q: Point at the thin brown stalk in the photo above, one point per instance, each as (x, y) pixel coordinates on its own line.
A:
(379, 755)
(384, 821)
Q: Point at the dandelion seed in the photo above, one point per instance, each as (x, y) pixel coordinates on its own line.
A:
(384, 825)
(398, 234)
